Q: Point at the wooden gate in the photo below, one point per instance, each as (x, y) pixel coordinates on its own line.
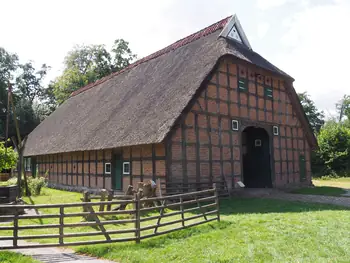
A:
(72, 224)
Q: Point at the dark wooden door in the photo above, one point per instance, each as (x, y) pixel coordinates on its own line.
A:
(118, 172)
(256, 160)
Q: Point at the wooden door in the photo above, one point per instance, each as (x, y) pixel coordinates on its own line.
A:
(118, 172)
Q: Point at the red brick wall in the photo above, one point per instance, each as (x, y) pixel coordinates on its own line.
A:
(204, 148)
(87, 168)
(143, 159)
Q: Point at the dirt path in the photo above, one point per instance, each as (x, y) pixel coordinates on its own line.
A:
(54, 255)
(275, 194)
(332, 200)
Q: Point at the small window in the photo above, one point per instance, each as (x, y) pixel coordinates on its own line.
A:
(242, 84)
(268, 92)
(235, 125)
(126, 167)
(275, 130)
(27, 164)
(108, 168)
(257, 143)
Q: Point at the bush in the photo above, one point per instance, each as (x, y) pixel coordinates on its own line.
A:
(334, 149)
(36, 184)
(8, 157)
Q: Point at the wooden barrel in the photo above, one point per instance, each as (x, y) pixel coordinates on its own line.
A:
(4, 177)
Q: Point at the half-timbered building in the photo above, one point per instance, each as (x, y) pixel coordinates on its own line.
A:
(205, 109)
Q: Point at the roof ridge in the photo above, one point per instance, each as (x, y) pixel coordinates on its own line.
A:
(177, 44)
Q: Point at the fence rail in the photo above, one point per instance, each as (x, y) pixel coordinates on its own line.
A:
(75, 220)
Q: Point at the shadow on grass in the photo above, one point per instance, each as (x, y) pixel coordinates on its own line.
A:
(156, 242)
(241, 205)
(31, 201)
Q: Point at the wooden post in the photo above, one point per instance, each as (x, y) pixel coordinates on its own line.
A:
(182, 211)
(15, 228)
(86, 198)
(103, 198)
(217, 201)
(61, 225)
(110, 198)
(137, 217)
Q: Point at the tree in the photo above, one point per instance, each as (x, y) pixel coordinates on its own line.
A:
(334, 147)
(86, 64)
(315, 116)
(343, 107)
(29, 81)
(27, 88)
(8, 157)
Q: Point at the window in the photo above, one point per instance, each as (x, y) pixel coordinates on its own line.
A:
(27, 164)
(242, 84)
(108, 168)
(275, 130)
(235, 125)
(268, 92)
(234, 34)
(126, 167)
(257, 143)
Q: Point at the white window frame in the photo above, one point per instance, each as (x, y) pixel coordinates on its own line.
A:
(126, 163)
(237, 123)
(275, 130)
(257, 143)
(110, 168)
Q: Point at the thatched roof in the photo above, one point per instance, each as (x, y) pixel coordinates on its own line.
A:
(140, 104)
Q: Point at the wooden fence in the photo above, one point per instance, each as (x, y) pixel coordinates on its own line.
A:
(139, 221)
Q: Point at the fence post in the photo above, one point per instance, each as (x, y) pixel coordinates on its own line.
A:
(103, 198)
(86, 198)
(216, 201)
(61, 225)
(182, 212)
(15, 228)
(110, 198)
(137, 217)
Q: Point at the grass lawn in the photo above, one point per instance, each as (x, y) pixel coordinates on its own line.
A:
(342, 182)
(251, 230)
(11, 257)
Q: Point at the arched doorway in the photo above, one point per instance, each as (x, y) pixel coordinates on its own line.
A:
(256, 158)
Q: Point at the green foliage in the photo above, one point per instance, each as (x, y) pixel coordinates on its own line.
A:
(8, 158)
(343, 107)
(334, 147)
(12, 257)
(27, 89)
(315, 116)
(12, 181)
(36, 184)
(86, 64)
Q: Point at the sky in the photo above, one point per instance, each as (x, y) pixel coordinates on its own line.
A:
(308, 39)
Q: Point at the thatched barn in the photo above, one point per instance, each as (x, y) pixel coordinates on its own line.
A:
(204, 109)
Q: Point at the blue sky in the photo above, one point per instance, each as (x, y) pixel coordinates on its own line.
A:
(308, 39)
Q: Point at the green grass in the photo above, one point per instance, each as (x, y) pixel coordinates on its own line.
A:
(11, 257)
(341, 182)
(251, 230)
(51, 196)
(320, 190)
